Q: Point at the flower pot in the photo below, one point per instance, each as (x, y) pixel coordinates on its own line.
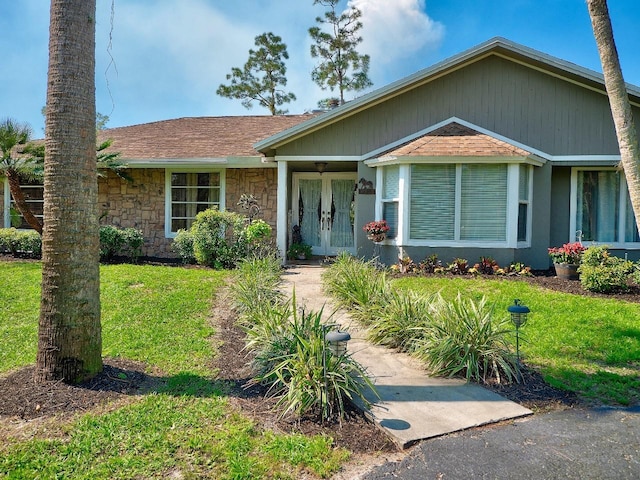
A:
(567, 271)
(377, 237)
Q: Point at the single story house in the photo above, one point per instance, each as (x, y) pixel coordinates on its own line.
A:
(500, 151)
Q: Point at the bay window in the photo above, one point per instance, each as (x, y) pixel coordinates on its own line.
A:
(449, 204)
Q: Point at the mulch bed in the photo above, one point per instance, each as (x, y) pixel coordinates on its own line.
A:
(22, 398)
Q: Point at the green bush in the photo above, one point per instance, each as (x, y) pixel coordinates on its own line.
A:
(183, 246)
(602, 272)
(111, 242)
(219, 240)
(258, 231)
(125, 242)
(464, 338)
(23, 243)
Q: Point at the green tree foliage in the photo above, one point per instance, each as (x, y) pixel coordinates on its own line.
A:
(341, 66)
(17, 163)
(263, 76)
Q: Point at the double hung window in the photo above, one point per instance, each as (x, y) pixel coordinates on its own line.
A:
(190, 193)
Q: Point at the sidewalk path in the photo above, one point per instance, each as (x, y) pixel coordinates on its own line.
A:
(412, 406)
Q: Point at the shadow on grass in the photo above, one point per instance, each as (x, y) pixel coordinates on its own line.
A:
(22, 397)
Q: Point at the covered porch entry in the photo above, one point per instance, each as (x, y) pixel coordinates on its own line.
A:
(320, 199)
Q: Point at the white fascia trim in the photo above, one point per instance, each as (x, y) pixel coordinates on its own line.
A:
(318, 158)
(586, 160)
(405, 160)
(370, 157)
(221, 162)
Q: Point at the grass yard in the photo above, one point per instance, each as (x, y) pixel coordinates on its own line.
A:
(187, 429)
(584, 344)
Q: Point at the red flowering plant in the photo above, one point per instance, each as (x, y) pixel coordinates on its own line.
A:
(568, 253)
(378, 227)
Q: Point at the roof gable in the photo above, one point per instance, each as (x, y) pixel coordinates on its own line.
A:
(499, 47)
(457, 140)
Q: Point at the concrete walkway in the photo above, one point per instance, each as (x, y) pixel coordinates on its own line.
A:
(412, 406)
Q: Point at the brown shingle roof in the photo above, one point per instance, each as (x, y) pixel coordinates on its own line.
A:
(455, 140)
(197, 137)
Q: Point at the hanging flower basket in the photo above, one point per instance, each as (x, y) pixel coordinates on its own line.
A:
(376, 231)
(377, 237)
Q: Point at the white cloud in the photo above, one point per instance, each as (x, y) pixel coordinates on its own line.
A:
(395, 30)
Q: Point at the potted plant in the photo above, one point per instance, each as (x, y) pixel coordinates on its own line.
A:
(299, 251)
(566, 260)
(377, 230)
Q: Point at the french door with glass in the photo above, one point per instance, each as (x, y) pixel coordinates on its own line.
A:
(324, 208)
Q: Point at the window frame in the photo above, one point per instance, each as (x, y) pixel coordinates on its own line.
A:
(511, 213)
(621, 220)
(169, 172)
(8, 201)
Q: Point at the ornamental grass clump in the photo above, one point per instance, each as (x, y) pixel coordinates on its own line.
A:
(293, 360)
(357, 285)
(465, 338)
(399, 323)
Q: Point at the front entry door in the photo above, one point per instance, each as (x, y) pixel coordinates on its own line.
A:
(324, 209)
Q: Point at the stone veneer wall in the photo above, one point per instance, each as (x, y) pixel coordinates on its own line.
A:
(262, 183)
(140, 204)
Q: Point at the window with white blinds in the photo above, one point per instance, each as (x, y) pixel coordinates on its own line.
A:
(432, 197)
(465, 202)
(483, 202)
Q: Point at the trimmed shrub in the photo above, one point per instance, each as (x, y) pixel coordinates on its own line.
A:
(183, 246)
(602, 272)
(125, 242)
(22, 243)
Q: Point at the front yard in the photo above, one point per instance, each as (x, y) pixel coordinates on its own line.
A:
(180, 423)
(164, 413)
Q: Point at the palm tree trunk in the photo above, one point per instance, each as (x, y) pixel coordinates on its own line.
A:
(69, 336)
(618, 99)
(20, 201)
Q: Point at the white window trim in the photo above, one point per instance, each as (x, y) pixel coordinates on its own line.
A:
(404, 206)
(167, 192)
(573, 210)
(529, 202)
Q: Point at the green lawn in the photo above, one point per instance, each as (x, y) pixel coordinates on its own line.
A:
(583, 344)
(158, 315)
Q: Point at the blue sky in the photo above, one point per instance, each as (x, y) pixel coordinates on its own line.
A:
(170, 56)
